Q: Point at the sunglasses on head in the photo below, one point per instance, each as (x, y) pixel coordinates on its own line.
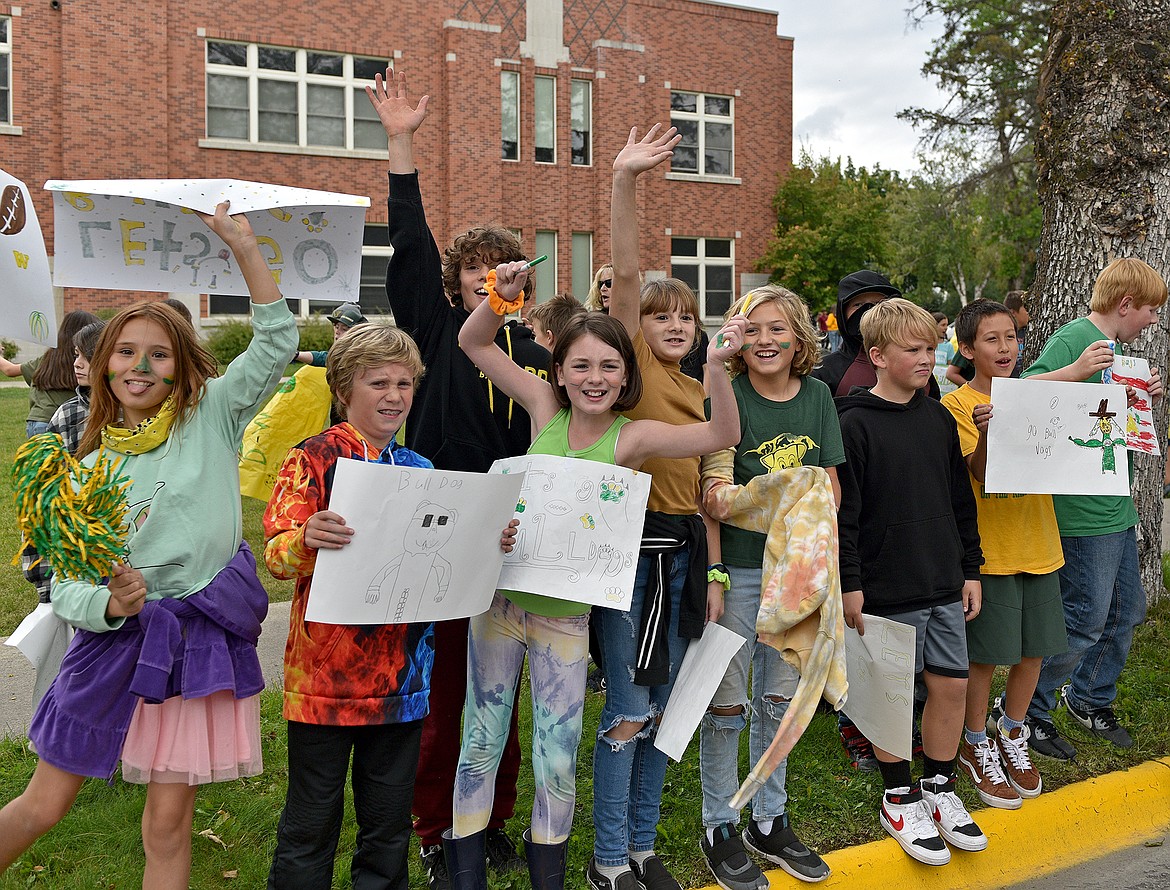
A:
(605, 282)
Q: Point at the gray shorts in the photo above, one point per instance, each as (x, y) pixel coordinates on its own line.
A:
(940, 639)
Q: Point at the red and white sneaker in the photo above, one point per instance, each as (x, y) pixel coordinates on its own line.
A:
(906, 819)
(950, 816)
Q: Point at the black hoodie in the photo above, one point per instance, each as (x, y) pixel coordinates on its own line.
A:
(908, 529)
(459, 419)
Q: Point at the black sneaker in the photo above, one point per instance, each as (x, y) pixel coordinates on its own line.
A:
(993, 716)
(595, 682)
(1101, 722)
(502, 855)
(729, 862)
(598, 881)
(858, 748)
(433, 860)
(1046, 741)
(783, 848)
(653, 875)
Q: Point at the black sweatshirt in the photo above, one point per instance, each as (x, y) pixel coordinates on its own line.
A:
(909, 536)
(459, 419)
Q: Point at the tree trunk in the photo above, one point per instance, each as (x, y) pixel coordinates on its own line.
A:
(1104, 186)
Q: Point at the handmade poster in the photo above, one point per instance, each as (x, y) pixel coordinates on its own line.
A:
(298, 409)
(880, 666)
(27, 310)
(699, 676)
(580, 529)
(1049, 437)
(1140, 433)
(425, 547)
(143, 234)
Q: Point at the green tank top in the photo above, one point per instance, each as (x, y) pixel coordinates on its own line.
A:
(554, 440)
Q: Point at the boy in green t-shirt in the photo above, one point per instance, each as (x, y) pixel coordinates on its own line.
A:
(1100, 583)
(1021, 620)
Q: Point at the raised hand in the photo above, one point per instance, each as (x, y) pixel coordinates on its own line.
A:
(729, 340)
(389, 97)
(640, 155)
(234, 230)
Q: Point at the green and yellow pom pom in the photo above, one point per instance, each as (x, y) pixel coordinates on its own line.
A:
(73, 515)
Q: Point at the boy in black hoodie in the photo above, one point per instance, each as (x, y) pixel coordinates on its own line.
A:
(461, 422)
(909, 545)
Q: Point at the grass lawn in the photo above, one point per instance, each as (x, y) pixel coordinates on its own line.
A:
(832, 806)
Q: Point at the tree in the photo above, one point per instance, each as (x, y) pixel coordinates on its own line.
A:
(1104, 184)
(830, 221)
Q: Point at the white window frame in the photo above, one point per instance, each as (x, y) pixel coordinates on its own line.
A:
(537, 116)
(352, 88)
(575, 84)
(515, 77)
(702, 262)
(6, 63)
(703, 118)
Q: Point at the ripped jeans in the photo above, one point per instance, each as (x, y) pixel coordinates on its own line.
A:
(558, 653)
(772, 678)
(628, 776)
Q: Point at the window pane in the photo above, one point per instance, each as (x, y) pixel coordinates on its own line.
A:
(510, 115)
(719, 105)
(683, 102)
(545, 102)
(276, 59)
(227, 107)
(717, 298)
(324, 63)
(717, 163)
(684, 246)
(372, 291)
(367, 128)
(580, 117)
(686, 153)
(365, 69)
(376, 235)
(546, 280)
(582, 264)
(688, 275)
(227, 54)
(718, 247)
(3, 30)
(717, 135)
(325, 115)
(277, 111)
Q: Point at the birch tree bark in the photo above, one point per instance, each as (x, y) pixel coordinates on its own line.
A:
(1103, 159)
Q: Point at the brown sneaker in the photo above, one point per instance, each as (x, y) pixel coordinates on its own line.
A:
(1017, 765)
(981, 764)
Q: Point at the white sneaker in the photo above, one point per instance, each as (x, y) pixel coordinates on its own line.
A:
(950, 816)
(906, 819)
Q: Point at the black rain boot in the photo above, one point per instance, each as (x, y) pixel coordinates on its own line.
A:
(466, 860)
(546, 863)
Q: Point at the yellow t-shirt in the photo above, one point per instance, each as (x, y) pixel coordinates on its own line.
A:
(1018, 531)
(671, 396)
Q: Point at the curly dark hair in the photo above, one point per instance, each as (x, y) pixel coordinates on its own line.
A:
(491, 245)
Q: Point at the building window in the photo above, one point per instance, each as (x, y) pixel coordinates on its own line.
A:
(581, 122)
(544, 97)
(259, 93)
(707, 265)
(707, 129)
(5, 70)
(582, 264)
(546, 278)
(510, 115)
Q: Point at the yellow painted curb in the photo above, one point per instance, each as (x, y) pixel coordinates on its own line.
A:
(1063, 828)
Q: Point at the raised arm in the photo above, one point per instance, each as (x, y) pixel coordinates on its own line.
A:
(477, 338)
(236, 233)
(399, 118)
(633, 160)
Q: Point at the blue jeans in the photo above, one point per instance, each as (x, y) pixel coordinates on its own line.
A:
(1101, 589)
(628, 775)
(35, 428)
(773, 683)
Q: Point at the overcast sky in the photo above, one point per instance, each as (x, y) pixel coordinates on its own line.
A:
(856, 63)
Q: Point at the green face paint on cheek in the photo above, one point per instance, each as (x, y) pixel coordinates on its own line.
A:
(785, 344)
(110, 375)
(169, 381)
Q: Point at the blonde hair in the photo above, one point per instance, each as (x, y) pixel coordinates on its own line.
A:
(367, 346)
(593, 300)
(1127, 277)
(554, 314)
(897, 321)
(796, 312)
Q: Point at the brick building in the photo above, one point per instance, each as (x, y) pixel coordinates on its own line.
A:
(530, 101)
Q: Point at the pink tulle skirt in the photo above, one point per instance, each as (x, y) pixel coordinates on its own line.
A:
(194, 741)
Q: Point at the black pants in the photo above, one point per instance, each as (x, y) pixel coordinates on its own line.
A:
(384, 762)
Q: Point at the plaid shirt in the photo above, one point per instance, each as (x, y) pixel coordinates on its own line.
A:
(69, 420)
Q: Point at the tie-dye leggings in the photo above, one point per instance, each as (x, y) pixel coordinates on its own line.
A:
(558, 652)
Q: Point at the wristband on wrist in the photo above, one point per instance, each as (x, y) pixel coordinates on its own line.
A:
(718, 572)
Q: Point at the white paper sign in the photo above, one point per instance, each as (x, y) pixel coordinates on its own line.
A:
(143, 234)
(699, 677)
(27, 311)
(580, 529)
(1049, 437)
(1140, 433)
(426, 545)
(880, 666)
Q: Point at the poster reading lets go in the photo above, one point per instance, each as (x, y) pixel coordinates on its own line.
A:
(144, 234)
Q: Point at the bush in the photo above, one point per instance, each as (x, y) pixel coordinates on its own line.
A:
(8, 348)
(316, 334)
(229, 338)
